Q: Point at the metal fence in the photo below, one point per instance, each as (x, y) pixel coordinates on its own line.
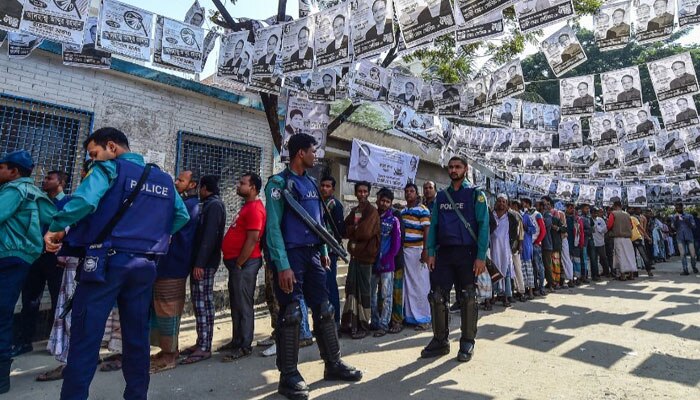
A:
(52, 134)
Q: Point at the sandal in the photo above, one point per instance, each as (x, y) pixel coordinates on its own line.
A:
(188, 351)
(236, 354)
(379, 333)
(195, 358)
(160, 367)
(228, 346)
(396, 328)
(359, 335)
(422, 327)
(53, 375)
(111, 366)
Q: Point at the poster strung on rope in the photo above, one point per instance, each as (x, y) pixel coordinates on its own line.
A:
(487, 26)
(673, 76)
(21, 45)
(426, 105)
(471, 10)
(536, 14)
(653, 20)
(323, 85)
(405, 90)
(559, 160)
(381, 166)
(603, 129)
(307, 7)
(563, 51)
(540, 117)
(608, 158)
(692, 137)
(515, 161)
(622, 89)
(635, 153)
(88, 56)
(583, 156)
(422, 128)
(541, 141)
(297, 46)
(332, 36)
(570, 133)
(612, 25)
(503, 140)
(235, 57)
(423, 20)
(61, 21)
(506, 81)
(182, 45)
(587, 194)
(655, 166)
(195, 14)
(544, 184)
(683, 163)
(125, 30)
(688, 12)
(638, 123)
(477, 95)
(679, 112)
(669, 144)
(690, 188)
(522, 141)
(565, 190)
(268, 84)
(306, 117)
(10, 15)
(507, 114)
(370, 82)
(577, 95)
(444, 95)
(636, 195)
(158, 46)
(372, 27)
(537, 162)
(267, 51)
(611, 194)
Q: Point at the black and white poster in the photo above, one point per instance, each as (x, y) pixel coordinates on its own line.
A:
(563, 51)
(182, 45)
(298, 46)
(636, 195)
(679, 112)
(635, 153)
(507, 114)
(125, 30)
(88, 56)
(267, 50)
(381, 166)
(541, 141)
(507, 81)
(565, 190)
(611, 194)
(485, 27)
(577, 95)
(10, 15)
(476, 95)
(405, 90)
(587, 194)
(540, 117)
(673, 76)
(61, 21)
(426, 105)
(603, 129)
(195, 14)
(332, 36)
(423, 20)
(473, 9)
(372, 26)
(583, 156)
(656, 166)
(537, 162)
(653, 20)
(608, 158)
(370, 82)
(570, 133)
(444, 95)
(669, 144)
(639, 124)
(323, 85)
(21, 45)
(522, 141)
(612, 25)
(503, 140)
(688, 12)
(307, 7)
(622, 89)
(536, 14)
(690, 188)
(682, 163)
(306, 117)
(692, 137)
(422, 128)
(236, 57)
(544, 183)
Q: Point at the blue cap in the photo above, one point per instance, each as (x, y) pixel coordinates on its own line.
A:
(19, 157)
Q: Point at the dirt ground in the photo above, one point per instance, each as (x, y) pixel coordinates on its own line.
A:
(611, 340)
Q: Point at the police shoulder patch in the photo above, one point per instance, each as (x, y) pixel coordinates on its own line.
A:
(481, 198)
(276, 193)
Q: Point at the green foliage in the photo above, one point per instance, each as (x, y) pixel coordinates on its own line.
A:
(367, 114)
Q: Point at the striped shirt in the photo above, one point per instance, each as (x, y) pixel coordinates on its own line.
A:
(415, 219)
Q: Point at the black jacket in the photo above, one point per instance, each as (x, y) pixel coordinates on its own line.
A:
(210, 233)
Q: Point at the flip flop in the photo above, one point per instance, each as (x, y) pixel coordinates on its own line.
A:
(111, 366)
(396, 328)
(53, 375)
(195, 358)
(421, 327)
(236, 354)
(379, 333)
(161, 367)
(228, 346)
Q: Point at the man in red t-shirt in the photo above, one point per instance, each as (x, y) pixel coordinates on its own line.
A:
(243, 259)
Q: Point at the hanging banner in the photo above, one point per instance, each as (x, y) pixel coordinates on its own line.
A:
(370, 82)
(522, 141)
(472, 9)
(404, 90)
(570, 134)
(611, 194)
(235, 57)
(636, 195)
(268, 47)
(654, 20)
(622, 89)
(680, 81)
(195, 15)
(612, 25)
(331, 39)
(306, 117)
(688, 12)
(485, 27)
(477, 95)
(507, 114)
(540, 117)
(125, 30)
(372, 27)
(323, 85)
(679, 112)
(444, 95)
(602, 129)
(583, 156)
(61, 21)
(208, 46)
(182, 45)
(609, 158)
(587, 194)
(536, 162)
(88, 56)
(10, 15)
(577, 95)
(669, 144)
(381, 166)
(504, 140)
(297, 46)
(507, 81)
(534, 15)
(690, 188)
(421, 128)
(21, 45)
(423, 20)
(563, 51)
(559, 160)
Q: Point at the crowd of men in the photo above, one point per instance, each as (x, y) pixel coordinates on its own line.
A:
(117, 260)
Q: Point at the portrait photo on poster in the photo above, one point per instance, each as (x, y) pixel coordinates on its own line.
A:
(87, 56)
(688, 12)
(298, 45)
(570, 133)
(537, 14)
(673, 76)
(372, 26)
(332, 36)
(405, 90)
(267, 50)
(577, 95)
(611, 194)
(236, 57)
(653, 20)
(563, 51)
(612, 25)
(622, 89)
(422, 20)
(679, 112)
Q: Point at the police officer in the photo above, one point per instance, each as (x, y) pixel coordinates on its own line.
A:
(301, 259)
(142, 233)
(456, 255)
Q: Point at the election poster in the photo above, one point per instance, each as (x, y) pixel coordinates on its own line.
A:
(541, 141)
(669, 144)
(622, 89)
(690, 188)
(381, 166)
(611, 194)
(405, 90)
(88, 56)
(269, 84)
(235, 57)
(476, 98)
(688, 12)
(692, 137)
(158, 47)
(635, 153)
(182, 45)
(422, 128)
(267, 51)
(125, 30)
(21, 45)
(3, 36)
(679, 112)
(507, 81)
(536, 14)
(636, 195)
(655, 166)
(307, 7)
(563, 51)
(485, 27)
(195, 15)
(507, 114)
(370, 82)
(323, 85)
(332, 36)
(577, 95)
(444, 95)
(515, 161)
(638, 123)
(60, 21)
(570, 133)
(297, 46)
(306, 117)
(612, 25)
(10, 15)
(608, 158)
(682, 163)
(372, 26)
(673, 76)
(504, 140)
(587, 194)
(565, 190)
(653, 20)
(583, 156)
(426, 105)
(540, 117)
(536, 162)
(471, 10)
(522, 141)
(423, 20)
(603, 129)
(544, 183)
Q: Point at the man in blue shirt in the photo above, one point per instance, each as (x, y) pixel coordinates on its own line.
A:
(684, 224)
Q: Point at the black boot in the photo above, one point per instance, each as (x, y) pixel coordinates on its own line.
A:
(327, 339)
(439, 345)
(470, 315)
(5, 375)
(291, 385)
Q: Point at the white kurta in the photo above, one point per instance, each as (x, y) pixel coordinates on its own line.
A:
(500, 246)
(624, 255)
